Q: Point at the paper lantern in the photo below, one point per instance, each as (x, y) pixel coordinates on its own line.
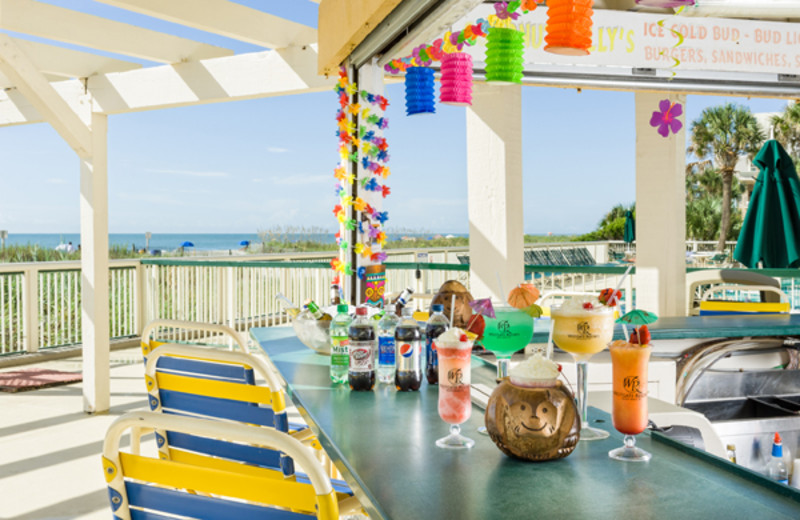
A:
(504, 49)
(420, 96)
(456, 88)
(569, 27)
(666, 3)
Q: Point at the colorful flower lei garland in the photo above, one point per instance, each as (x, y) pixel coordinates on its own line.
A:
(372, 148)
(425, 54)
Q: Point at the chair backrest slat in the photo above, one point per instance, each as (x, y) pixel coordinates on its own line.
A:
(257, 489)
(211, 369)
(227, 450)
(176, 502)
(215, 407)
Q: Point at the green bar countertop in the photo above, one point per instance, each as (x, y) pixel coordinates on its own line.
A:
(710, 327)
(383, 443)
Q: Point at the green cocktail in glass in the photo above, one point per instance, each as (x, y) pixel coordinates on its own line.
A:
(509, 331)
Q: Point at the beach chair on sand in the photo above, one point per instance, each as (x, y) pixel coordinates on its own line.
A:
(149, 488)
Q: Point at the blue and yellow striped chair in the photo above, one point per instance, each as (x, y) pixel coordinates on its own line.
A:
(149, 339)
(147, 488)
(215, 384)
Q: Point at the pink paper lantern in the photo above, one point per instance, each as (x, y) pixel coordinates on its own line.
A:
(456, 79)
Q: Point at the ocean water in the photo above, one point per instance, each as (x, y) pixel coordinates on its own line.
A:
(172, 241)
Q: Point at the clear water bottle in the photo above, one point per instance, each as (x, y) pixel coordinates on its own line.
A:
(386, 345)
(437, 324)
(363, 345)
(408, 337)
(776, 467)
(340, 351)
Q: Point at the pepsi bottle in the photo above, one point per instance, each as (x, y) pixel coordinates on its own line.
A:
(361, 372)
(437, 324)
(408, 344)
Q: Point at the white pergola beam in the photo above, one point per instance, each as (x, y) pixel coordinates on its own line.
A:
(246, 76)
(94, 32)
(226, 19)
(64, 63)
(21, 71)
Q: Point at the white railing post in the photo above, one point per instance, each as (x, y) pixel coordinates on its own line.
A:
(140, 298)
(230, 296)
(30, 305)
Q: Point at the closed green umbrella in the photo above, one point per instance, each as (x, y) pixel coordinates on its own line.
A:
(630, 228)
(771, 230)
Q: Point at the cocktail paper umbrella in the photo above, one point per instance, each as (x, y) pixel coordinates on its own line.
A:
(504, 55)
(483, 306)
(420, 96)
(456, 88)
(636, 317)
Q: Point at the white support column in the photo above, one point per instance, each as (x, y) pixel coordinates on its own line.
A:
(94, 270)
(494, 176)
(660, 211)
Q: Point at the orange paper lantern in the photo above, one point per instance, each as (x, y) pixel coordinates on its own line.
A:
(569, 27)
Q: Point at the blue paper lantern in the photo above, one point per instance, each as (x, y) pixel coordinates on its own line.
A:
(420, 95)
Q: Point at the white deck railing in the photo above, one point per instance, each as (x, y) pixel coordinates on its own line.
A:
(40, 302)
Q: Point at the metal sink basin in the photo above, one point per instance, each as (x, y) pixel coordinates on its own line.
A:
(745, 408)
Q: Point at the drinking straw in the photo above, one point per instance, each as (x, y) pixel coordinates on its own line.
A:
(625, 331)
(452, 308)
(613, 298)
(548, 353)
(500, 285)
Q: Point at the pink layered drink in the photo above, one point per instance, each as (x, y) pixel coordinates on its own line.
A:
(455, 354)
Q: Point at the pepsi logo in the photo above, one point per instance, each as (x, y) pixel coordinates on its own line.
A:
(406, 350)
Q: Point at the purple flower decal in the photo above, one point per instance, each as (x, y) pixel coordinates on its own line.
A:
(667, 119)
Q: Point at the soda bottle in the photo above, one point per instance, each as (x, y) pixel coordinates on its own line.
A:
(361, 374)
(340, 350)
(437, 324)
(408, 340)
(403, 300)
(776, 467)
(335, 298)
(315, 311)
(386, 345)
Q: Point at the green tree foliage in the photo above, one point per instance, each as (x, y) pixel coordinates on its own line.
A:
(704, 205)
(611, 227)
(787, 130)
(723, 134)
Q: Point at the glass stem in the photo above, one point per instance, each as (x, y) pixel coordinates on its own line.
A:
(502, 367)
(455, 430)
(583, 385)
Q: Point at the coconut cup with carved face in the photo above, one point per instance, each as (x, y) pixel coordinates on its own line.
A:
(533, 423)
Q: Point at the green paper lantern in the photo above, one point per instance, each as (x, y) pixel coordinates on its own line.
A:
(504, 55)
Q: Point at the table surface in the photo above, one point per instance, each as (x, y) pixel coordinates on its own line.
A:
(383, 443)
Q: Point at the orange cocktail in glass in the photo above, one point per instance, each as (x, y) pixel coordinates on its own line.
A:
(629, 408)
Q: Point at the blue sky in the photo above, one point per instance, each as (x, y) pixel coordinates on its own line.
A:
(250, 165)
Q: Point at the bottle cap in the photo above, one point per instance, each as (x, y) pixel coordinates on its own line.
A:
(437, 307)
(777, 447)
(408, 312)
(342, 307)
(361, 311)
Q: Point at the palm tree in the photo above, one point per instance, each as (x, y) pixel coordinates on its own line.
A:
(787, 129)
(704, 204)
(725, 133)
